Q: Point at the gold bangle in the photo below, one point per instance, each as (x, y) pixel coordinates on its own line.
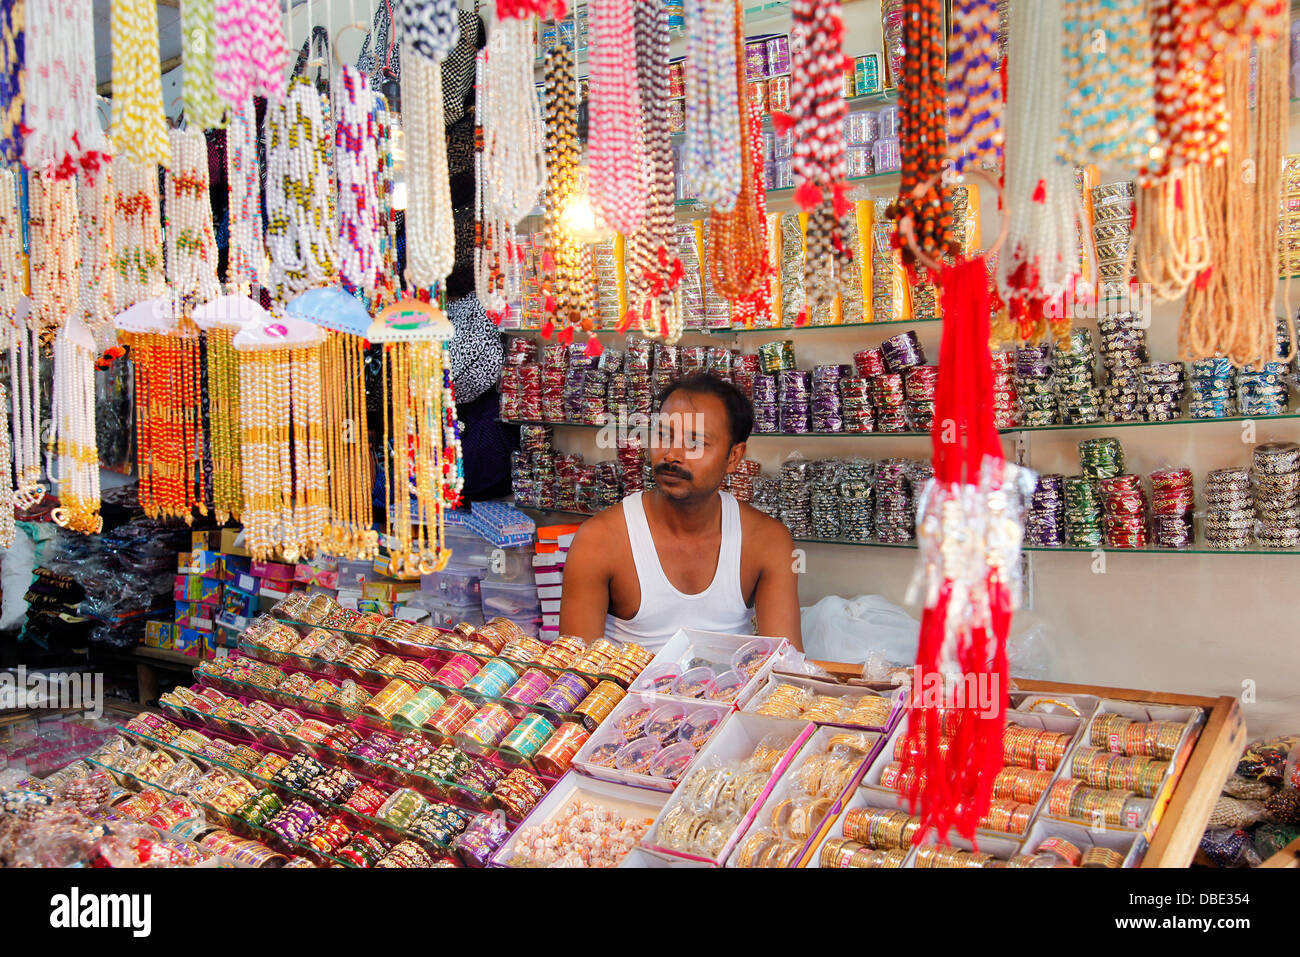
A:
(1059, 703)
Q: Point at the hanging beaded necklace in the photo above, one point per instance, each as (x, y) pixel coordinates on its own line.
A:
(12, 78)
(974, 86)
(1109, 84)
(223, 423)
(389, 287)
(564, 299)
(137, 233)
(246, 256)
(492, 237)
(24, 351)
(737, 255)
(430, 228)
(711, 157)
(653, 268)
(616, 142)
(62, 133)
(203, 108)
(95, 204)
(300, 233)
(923, 138)
(191, 243)
(356, 155)
(139, 126)
(250, 55)
(1041, 252)
(347, 449)
(8, 524)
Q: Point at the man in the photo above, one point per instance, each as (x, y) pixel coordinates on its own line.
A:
(684, 554)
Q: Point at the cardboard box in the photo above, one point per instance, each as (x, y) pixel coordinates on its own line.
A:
(311, 575)
(246, 583)
(275, 589)
(351, 572)
(159, 634)
(238, 603)
(275, 571)
(370, 605)
(232, 542)
(189, 640)
(203, 562)
(197, 588)
(201, 541)
(236, 564)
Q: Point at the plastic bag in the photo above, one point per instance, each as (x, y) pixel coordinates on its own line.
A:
(1226, 847)
(1266, 760)
(1284, 807)
(1247, 789)
(1230, 812)
(851, 630)
(1271, 838)
(1029, 653)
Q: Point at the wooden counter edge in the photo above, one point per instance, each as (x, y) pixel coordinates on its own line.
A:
(1289, 856)
(1216, 752)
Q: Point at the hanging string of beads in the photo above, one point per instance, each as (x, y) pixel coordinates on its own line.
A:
(430, 228)
(389, 287)
(139, 125)
(923, 139)
(616, 143)
(711, 157)
(13, 78)
(561, 262)
(203, 108)
(1041, 255)
(356, 156)
(191, 241)
(250, 57)
(74, 456)
(1108, 61)
(653, 268)
(96, 200)
(246, 254)
(347, 449)
(223, 423)
(737, 253)
(747, 309)
(8, 502)
(310, 497)
(300, 233)
(264, 437)
(59, 127)
(55, 249)
(24, 349)
(137, 233)
(974, 86)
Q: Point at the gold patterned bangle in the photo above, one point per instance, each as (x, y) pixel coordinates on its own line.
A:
(1041, 702)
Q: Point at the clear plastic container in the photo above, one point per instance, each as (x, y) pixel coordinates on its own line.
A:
(727, 686)
(468, 548)
(512, 600)
(659, 678)
(513, 565)
(666, 721)
(636, 758)
(529, 623)
(672, 761)
(696, 683)
(455, 584)
(750, 656)
(446, 615)
(699, 726)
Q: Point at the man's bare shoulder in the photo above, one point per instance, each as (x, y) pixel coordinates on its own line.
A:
(604, 529)
(762, 529)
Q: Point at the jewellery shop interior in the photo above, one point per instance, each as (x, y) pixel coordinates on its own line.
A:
(331, 324)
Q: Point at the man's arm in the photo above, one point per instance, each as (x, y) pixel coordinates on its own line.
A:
(585, 599)
(776, 596)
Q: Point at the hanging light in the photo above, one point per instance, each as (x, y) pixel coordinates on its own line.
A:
(580, 218)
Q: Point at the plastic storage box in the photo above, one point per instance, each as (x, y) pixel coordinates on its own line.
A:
(456, 584)
(510, 599)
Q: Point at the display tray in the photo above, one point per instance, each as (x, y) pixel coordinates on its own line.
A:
(627, 801)
(710, 660)
(820, 687)
(1212, 752)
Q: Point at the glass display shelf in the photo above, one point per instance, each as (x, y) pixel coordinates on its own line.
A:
(226, 819)
(787, 192)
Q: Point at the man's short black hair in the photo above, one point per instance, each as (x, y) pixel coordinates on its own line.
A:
(740, 413)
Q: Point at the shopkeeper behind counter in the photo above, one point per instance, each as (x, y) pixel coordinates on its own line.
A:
(684, 554)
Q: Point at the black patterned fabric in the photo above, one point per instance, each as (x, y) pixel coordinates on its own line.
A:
(458, 68)
(477, 353)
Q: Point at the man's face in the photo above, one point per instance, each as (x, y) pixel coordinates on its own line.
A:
(693, 452)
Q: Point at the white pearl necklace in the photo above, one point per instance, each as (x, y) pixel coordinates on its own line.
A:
(514, 161)
(430, 229)
(24, 361)
(73, 444)
(191, 243)
(98, 281)
(60, 88)
(300, 232)
(616, 141)
(7, 522)
(247, 254)
(1041, 251)
(137, 233)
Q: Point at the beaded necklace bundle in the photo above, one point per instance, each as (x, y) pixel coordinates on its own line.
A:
(565, 299)
(72, 458)
(430, 228)
(222, 369)
(246, 251)
(423, 472)
(347, 449)
(389, 288)
(12, 78)
(282, 449)
(924, 199)
(1230, 307)
(8, 525)
(24, 349)
(96, 201)
(191, 242)
(1110, 85)
(139, 126)
(203, 108)
(1041, 255)
(356, 153)
(62, 133)
(616, 141)
(974, 86)
(249, 56)
(167, 398)
(654, 270)
(137, 233)
(737, 253)
(712, 154)
(300, 233)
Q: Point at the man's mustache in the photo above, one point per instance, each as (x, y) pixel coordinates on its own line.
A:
(667, 469)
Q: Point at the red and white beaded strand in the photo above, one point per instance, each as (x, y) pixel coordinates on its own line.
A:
(191, 241)
(615, 141)
(247, 255)
(356, 157)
